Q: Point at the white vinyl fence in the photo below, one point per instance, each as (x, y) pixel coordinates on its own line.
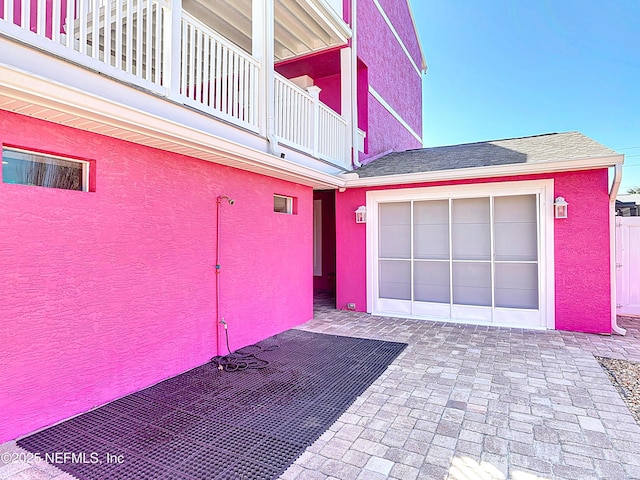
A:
(628, 265)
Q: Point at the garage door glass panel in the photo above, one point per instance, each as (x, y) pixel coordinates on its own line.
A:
(395, 279)
(515, 208)
(472, 283)
(515, 228)
(516, 285)
(395, 230)
(431, 230)
(516, 242)
(471, 229)
(431, 282)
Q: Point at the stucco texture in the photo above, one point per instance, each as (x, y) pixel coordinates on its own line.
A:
(399, 14)
(582, 269)
(390, 71)
(386, 133)
(107, 292)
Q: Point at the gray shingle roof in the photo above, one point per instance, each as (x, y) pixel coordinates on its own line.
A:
(550, 147)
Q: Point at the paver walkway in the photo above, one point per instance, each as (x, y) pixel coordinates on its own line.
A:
(470, 402)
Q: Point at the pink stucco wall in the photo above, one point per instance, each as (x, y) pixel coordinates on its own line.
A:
(386, 133)
(390, 73)
(582, 243)
(330, 94)
(399, 14)
(106, 292)
(582, 280)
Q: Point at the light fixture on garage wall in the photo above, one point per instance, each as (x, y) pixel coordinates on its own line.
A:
(561, 207)
(361, 214)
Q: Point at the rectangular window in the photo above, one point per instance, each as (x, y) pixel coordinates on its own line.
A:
(31, 168)
(282, 204)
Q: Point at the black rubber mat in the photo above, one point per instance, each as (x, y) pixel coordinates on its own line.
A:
(212, 424)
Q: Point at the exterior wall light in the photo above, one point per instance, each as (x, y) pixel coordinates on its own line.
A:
(361, 214)
(561, 207)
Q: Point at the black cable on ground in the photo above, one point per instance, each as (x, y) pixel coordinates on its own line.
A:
(242, 359)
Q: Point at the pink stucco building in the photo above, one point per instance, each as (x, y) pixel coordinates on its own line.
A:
(122, 252)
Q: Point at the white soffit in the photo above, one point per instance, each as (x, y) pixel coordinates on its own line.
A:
(300, 26)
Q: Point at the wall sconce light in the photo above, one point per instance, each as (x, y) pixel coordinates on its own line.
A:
(361, 214)
(561, 207)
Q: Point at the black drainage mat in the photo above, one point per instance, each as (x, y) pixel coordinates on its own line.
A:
(212, 424)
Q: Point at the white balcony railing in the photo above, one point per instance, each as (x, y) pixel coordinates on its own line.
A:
(135, 41)
(216, 76)
(332, 136)
(123, 38)
(293, 112)
(306, 124)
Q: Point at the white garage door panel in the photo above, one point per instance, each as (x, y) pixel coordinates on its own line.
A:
(441, 311)
(385, 306)
(472, 314)
(510, 317)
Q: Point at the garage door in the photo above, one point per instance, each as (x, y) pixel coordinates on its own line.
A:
(468, 257)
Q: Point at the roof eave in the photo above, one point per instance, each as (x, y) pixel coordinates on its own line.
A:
(588, 163)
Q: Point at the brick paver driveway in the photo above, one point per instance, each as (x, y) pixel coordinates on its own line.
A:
(471, 402)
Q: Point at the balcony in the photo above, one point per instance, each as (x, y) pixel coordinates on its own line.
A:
(160, 46)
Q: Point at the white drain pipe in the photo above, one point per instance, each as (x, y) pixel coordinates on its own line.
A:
(354, 83)
(615, 186)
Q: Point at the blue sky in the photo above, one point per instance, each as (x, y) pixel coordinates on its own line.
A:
(501, 69)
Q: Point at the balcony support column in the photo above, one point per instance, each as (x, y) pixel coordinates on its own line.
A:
(314, 91)
(346, 72)
(262, 50)
(172, 60)
(354, 84)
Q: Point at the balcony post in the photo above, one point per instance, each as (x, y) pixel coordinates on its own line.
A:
(172, 48)
(346, 72)
(262, 50)
(314, 91)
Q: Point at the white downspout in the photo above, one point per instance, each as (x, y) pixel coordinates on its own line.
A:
(274, 144)
(615, 186)
(262, 39)
(355, 139)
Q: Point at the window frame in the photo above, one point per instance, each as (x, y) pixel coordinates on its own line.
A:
(85, 164)
(288, 204)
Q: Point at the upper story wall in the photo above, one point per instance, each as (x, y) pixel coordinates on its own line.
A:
(402, 20)
(388, 45)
